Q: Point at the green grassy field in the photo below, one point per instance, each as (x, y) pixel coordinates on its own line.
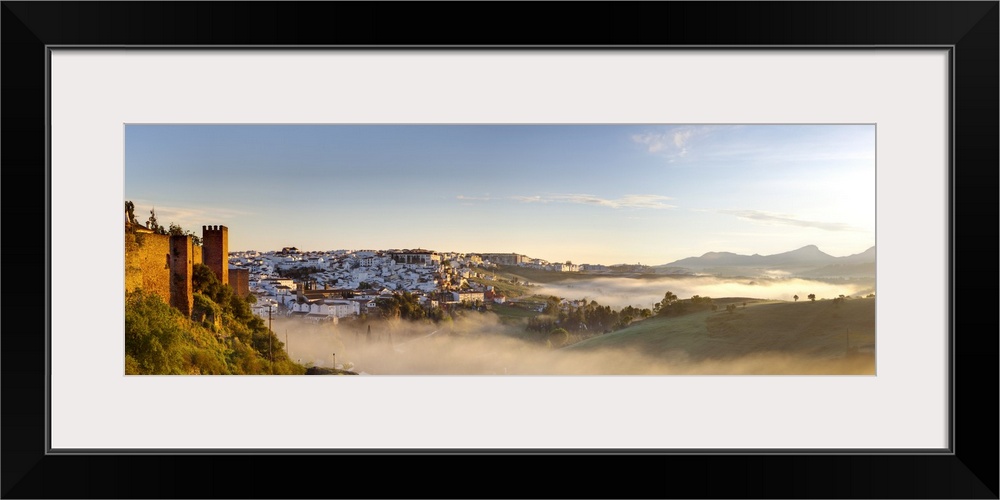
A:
(540, 275)
(502, 286)
(508, 311)
(815, 330)
(512, 315)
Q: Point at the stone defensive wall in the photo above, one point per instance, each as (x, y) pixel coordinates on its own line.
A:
(147, 263)
(162, 264)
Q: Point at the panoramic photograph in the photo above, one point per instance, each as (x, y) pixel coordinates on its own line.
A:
(500, 249)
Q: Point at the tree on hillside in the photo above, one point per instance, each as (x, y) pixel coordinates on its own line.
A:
(700, 301)
(679, 307)
(202, 277)
(552, 305)
(671, 305)
(624, 321)
(796, 297)
(153, 224)
(812, 297)
(176, 230)
(130, 212)
(403, 305)
(668, 300)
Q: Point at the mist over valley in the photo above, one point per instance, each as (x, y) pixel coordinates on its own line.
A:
(766, 337)
(769, 322)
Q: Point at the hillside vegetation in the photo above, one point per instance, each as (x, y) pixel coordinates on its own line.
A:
(222, 337)
(815, 330)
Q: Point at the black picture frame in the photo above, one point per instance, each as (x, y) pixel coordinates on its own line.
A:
(970, 470)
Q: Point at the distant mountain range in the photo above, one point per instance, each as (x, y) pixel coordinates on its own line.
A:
(806, 261)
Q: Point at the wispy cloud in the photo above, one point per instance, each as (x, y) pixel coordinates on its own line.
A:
(188, 217)
(784, 219)
(473, 198)
(530, 199)
(673, 142)
(628, 201)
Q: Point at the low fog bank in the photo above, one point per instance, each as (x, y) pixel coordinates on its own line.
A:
(643, 292)
(481, 345)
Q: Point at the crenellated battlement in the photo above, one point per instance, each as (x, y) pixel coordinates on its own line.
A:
(215, 251)
(162, 264)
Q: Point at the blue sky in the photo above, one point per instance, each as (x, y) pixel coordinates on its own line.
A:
(602, 194)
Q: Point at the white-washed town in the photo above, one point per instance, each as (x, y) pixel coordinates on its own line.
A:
(326, 286)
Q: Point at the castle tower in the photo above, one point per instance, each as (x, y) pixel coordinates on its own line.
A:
(215, 251)
(239, 280)
(181, 292)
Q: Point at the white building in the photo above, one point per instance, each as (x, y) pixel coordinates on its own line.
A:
(467, 297)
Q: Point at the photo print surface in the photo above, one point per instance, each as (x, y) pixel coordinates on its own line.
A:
(500, 250)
